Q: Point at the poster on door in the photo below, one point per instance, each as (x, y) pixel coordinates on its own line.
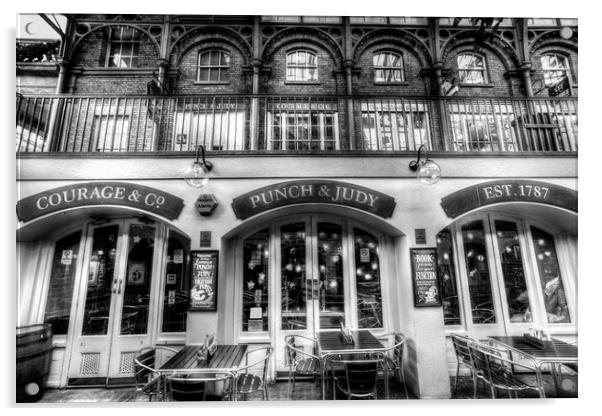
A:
(424, 277)
(203, 292)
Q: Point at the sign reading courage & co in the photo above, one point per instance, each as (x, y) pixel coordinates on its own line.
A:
(312, 191)
(100, 193)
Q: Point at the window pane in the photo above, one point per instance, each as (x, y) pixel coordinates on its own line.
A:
(549, 273)
(100, 279)
(60, 293)
(447, 276)
(479, 280)
(176, 291)
(214, 58)
(517, 295)
(204, 59)
(255, 291)
(213, 75)
(367, 264)
(379, 75)
(293, 278)
(137, 284)
(330, 263)
(203, 74)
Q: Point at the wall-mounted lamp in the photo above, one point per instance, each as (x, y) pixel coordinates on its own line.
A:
(197, 174)
(427, 171)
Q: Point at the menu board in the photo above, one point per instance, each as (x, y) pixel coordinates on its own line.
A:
(424, 277)
(203, 292)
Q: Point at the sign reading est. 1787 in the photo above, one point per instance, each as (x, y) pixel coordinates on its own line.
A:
(313, 191)
(494, 192)
(100, 193)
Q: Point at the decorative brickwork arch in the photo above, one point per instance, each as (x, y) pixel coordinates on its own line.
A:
(197, 36)
(309, 35)
(84, 31)
(401, 38)
(551, 39)
(499, 47)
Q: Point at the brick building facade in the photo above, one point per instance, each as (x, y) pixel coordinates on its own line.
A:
(288, 102)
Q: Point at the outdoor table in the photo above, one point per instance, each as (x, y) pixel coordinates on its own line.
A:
(226, 359)
(331, 343)
(558, 353)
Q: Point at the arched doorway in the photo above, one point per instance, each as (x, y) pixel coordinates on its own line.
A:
(109, 283)
(311, 271)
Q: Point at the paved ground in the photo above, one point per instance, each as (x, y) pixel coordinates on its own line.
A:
(305, 390)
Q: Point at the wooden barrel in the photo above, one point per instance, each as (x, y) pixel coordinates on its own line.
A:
(34, 354)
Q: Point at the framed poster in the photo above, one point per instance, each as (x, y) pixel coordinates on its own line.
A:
(136, 274)
(203, 292)
(424, 277)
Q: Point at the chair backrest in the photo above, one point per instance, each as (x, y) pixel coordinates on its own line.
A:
(193, 386)
(144, 366)
(295, 348)
(461, 343)
(361, 375)
(489, 362)
(256, 364)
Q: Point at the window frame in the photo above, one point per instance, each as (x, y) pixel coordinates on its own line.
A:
(301, 67)
(401, 67)
(484, 70)
(221, 68)
(113, 41)
(566, 69)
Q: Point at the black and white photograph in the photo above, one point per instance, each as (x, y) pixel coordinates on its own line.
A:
(387, 202)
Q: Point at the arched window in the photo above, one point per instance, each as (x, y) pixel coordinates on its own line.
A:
(471, 69)
(213, 66)
(388, 67)
(123, 50)
(301, 66)
(555, 68)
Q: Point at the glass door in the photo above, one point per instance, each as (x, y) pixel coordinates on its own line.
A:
(113, 322)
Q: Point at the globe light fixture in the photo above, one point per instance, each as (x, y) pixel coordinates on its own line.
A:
(427, 171)
(197, 174)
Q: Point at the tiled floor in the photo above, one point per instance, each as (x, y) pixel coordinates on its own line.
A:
(304, 390)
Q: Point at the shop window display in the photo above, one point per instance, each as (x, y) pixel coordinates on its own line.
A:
(60, 294)
(176, 290)
(554, 295)
(255, 283)
(447, 278)
(517, 296)
(367, 275)
(477, 268)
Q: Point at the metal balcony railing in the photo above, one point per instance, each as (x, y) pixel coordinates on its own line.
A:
(289, 124)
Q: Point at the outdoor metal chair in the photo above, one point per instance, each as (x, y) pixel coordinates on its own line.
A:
(147, 379)
(392, 362)
(493, 367)
(463, 357)
(199, 386)
(301, 362)
(247, 379)
(358, 378)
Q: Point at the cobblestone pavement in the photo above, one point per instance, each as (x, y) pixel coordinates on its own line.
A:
(305, 390)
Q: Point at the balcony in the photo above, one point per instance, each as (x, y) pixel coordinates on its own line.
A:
(293, 124)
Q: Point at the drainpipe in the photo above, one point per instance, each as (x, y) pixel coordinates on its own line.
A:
(256, 65)
(445, 130)
(525, 71)
(348, 66)
(54, 124)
